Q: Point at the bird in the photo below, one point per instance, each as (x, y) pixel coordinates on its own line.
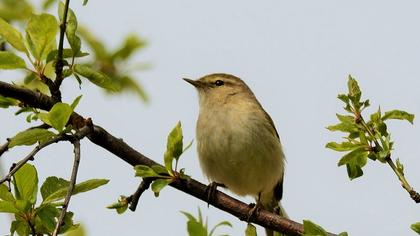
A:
(237, 143)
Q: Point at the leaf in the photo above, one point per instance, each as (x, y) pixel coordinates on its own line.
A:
(8, 207)
(51, 185)
(59, 115)
(78, 188)
(173, 146)
(25, 182)
(47, 214)
(343, 234)
(357, 155)
(40, 35)
(12, 35)
(223, 223)
(71, 28)
(47, 3)
(312, 229)
(76, 102)
(67, 53)
(341, 147)
(95, 77)
(344, 98)
(120, 206)
(31, 136)
(160, 169)
(194, 228)
(400, 166)
(9, 60)
(250, 230)
(85, 2)
(416, 227)
(189, 216)
(145, 171)
(5, 102)
(354, 91)
(131, 44)
(21, 227)
(398, 115)
(344, 127)
(5, 194)
(159, 184)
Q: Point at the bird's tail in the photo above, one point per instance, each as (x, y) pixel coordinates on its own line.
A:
(271, 202)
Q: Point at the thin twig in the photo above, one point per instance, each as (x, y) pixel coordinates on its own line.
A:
(56, 94)
(76, 163)
(79, 135)
(4, 147)
(31, 155)
(134, 198)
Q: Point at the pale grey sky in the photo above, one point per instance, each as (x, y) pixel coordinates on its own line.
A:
(295, 55)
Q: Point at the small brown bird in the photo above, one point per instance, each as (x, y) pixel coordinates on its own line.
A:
(238, 145)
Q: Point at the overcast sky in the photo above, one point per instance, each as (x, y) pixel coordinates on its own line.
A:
(295, 56)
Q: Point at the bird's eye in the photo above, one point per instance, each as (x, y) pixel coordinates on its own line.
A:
(219, 83)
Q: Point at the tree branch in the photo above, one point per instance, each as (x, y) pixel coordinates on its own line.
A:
(76, 163)
(134, 198)
(56, 94)
(192, 187)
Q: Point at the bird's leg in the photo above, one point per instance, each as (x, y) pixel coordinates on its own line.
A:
(255, 208)
(211, 190)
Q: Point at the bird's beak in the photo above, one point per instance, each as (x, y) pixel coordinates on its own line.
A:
(195, 83)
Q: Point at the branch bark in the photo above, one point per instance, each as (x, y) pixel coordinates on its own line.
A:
(192, 187)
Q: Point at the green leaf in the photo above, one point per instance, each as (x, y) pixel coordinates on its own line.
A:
(31, 136)
(160, 169)
(341, 147)
(51, 185)
(5, 102)
(189, 216)
(40, 35)
(131, 44)
(194, 228)
(416, 227)
(312, 229)
(47, 214)
(78, 188)
(67, 53)
(85, 2)
(25, 182)
(354, 91)
(12, 35)
(68, 223)
(76, 102)
(159, 184)
(344, 127)
(173, 146)
(5, 194)
(8, 207)
(250, 230)
(354, 162)
(120, 206)
(9, 60)
(21, 227)
(223, 223)
(95, 77)
(23, 205)
(59, 115)
(344, 98)
(47, 3)
(398, 115)
(343, 234)
(400, 167)
(71, 28)
(145, 171)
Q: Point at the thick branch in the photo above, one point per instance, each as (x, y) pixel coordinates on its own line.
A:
(118, 147)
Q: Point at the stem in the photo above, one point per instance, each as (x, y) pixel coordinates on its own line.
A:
(56, 94)
(76, 163)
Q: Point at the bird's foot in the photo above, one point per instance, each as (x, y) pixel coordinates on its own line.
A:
(211, 190)
(254, 210)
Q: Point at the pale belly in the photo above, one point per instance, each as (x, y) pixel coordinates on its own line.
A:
(244, 156)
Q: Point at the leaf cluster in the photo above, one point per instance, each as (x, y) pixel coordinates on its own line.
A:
(197, 226)
(30, 219)
(365, 138)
